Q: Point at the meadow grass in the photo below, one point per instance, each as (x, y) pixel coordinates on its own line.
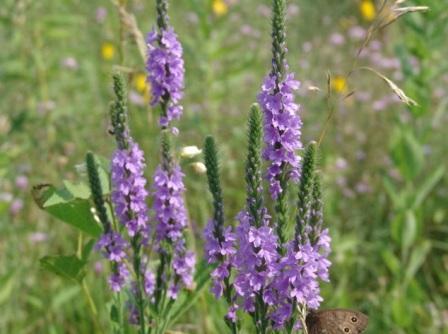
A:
(383, 163)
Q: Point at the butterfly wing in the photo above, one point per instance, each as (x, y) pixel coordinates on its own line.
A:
(336, 321)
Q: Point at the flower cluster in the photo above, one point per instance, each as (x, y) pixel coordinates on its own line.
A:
(220, 250)
(299, 273)
(255, 260)
(184, 262)
(114, 247)
(169, 205)
(165, 67)
(282, 129)
(171, 215)
(128, 189)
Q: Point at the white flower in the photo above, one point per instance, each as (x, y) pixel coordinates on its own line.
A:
(199, 167)
(189, 152)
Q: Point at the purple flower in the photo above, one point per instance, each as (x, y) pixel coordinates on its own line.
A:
(165, 67)
(169, 204)
(171, 215)
(119, 278)
(173, 291)
(337, 39)
(219, 249)
(282, 129)
(149, 282)
(231, 313)
(100, 14)
(183, 265)
(16, 206)
(113, 246)
(300, 271)
(255, 260)
(22, 182)
(128, 189)
(38, 237)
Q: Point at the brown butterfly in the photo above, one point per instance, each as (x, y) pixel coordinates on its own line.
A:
(336, 321)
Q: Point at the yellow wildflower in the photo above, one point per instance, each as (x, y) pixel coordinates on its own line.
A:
(140, 83)
(220, 8)
(339, 84)
(107, 50)
(368, 10)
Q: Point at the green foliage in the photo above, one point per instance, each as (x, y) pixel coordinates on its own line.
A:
(214, 184)
(254, 185)
(97, 191)
(69, 267)
(70, 206)
(305, 194)
(278, 36)
(118, 111)
(383, 171)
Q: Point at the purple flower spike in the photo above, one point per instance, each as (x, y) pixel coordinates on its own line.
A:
(183, 265)
(129, 193)
(165, 67)
(149, 282)
(169, 204)
(300, 271)
(118, 279)
(255, 260)
(282, 129)
(219, 252)
(113, 247)
(171, 216)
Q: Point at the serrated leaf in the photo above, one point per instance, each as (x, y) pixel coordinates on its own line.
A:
(69, 267)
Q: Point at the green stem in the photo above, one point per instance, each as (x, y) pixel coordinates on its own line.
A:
(86, 291)
(89, 298)
(281, 209)
(228, 294)
(138, 273)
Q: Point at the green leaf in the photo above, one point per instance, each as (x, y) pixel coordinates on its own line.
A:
(79, 190)
(69, 267)
(75, 212)
(87, 249)
(396, 227)
(416, 260)
(409, 231)
(114, 314)
(428, 186)
(64, 296)
(391, 261)
(391, 191)
(407, 154)
(6, 287)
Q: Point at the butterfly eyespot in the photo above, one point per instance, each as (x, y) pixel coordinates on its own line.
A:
(346, 329)
(354, 319)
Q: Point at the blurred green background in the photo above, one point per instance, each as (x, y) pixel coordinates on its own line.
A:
(384, 164)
